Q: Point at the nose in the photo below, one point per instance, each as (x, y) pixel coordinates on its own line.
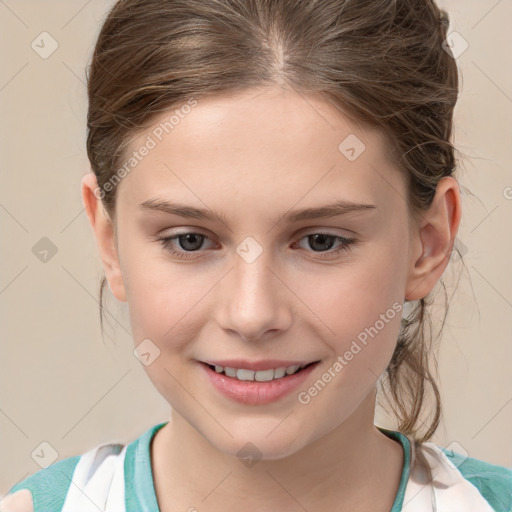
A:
(255, 301)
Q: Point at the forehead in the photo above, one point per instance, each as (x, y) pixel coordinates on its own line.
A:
(270, 144)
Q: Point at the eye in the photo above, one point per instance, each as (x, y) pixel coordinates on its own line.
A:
(184, 245)
(323, 242)
(189, 242)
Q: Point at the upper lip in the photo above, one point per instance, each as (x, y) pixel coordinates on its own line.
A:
(266, 364)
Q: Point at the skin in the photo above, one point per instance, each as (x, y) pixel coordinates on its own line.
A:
(253, 157)
(20, 501)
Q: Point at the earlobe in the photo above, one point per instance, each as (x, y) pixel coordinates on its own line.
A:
(434, 240)
(103, 229)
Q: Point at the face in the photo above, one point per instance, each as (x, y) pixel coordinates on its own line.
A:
(258, 281)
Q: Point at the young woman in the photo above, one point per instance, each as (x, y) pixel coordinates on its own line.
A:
(273, 195)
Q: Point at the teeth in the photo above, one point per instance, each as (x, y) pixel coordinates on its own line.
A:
(230, 372)
(260, 376)
(292, 369)
(279, 372)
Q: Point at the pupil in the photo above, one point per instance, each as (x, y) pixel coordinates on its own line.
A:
(187, 240)
(322, 239)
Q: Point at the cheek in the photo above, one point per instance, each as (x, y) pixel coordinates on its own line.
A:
(353, 297)
(166, 307)
(161, 295)
(363, 310)
(359, 309)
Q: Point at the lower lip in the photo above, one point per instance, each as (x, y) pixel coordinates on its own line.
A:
(254, 392)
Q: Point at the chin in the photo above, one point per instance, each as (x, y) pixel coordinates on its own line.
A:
(251, 448)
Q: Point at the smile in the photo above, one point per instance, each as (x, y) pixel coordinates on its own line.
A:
(260, 376)
(257, 387)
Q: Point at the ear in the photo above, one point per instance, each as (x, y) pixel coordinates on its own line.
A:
(433, 239)
(105, 235)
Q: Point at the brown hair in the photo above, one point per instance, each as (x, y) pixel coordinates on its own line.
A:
(381, 62)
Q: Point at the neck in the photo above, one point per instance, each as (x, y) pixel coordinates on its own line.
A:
(353, 467)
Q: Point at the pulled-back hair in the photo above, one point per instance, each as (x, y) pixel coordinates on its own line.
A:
(380, 62)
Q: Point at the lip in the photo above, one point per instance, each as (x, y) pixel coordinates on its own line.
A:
(254, 392)
(267, 364)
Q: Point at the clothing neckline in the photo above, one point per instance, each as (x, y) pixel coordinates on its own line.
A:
(406, 467)
(140, 494)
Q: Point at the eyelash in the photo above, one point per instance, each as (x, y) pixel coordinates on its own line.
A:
(166, 243)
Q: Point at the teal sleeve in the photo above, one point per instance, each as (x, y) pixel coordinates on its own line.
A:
(49, 486)
(493, 482)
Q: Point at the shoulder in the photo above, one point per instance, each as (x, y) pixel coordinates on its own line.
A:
(51, 486)
(96, 476)
(48, 488)
(20, 501)
(493, 482)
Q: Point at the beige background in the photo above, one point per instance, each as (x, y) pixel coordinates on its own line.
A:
(62, 385)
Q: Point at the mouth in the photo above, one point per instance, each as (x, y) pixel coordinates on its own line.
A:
(243, 374)
(257, 387)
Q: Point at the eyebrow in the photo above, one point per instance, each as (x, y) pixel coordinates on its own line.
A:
(322, 212)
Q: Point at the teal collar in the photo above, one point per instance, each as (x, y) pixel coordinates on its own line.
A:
(406, 446)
